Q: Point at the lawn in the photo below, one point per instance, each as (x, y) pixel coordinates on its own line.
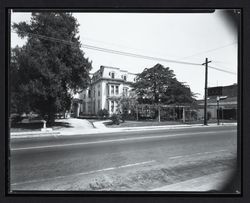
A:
(156, 123)
(143, 123)
(28, 127)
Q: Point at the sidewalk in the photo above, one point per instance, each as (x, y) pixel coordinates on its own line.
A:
(82, 127)
(100, 124)
(212, 182)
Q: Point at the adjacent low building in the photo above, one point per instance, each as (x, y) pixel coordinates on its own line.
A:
(107, 84)
(225, 108)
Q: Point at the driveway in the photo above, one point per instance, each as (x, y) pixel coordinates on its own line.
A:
(74, 124)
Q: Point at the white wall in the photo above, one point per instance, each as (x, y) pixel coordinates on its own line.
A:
(103, 89)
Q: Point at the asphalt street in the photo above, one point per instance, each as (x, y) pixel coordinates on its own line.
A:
(34, 161)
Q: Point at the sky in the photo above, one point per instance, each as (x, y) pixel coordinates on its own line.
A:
(188, 37)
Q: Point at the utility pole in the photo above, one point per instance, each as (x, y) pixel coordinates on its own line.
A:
(205, 99)
(137, 113)
(218, 110)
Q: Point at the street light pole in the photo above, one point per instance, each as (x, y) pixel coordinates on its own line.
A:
(159, 111)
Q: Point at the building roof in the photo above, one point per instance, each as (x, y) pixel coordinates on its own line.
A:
(109, 67)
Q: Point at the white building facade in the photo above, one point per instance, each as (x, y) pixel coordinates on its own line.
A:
(107, 85)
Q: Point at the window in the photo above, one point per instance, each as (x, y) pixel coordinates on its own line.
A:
(89, 93)
(112, 106)
(99, 105)
(116, 90)
(99, 93)
(112, 89)
(125, 91)
(125, 77)
(112, 75)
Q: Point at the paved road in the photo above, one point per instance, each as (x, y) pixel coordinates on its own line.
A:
(39, 159)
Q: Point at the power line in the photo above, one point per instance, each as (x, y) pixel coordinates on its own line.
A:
(223, 62)
(222, 70)
(210, 50)
(48, 38)
(120, 52)
(136, 55)
(112, 50)
(120, 45)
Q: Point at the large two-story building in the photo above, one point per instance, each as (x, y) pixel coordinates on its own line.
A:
(107, 84)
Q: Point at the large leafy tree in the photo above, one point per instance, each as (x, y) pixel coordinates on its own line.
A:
(126, 104)
(159, 85)
(50, 67)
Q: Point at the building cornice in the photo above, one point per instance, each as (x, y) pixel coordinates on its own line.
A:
(112, 80)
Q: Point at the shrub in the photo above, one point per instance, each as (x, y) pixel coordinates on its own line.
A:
(194, 115)
(115, 119)
(103, 113)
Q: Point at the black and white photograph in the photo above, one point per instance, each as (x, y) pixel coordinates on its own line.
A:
(124, 101)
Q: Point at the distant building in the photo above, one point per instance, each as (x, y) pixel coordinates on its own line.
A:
(227, 103)
(106, 85)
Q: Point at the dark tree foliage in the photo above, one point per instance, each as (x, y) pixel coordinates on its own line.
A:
(103, 113)
(50, 67)
(159, 85)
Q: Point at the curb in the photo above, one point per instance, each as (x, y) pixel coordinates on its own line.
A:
(174, 126)
(33, 134)
(106, 130)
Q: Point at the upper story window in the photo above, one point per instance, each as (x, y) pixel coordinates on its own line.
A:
(116, 89)
(112, 90)
(89, 93)
(99, 93)
(112, 74)
(125, 77)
